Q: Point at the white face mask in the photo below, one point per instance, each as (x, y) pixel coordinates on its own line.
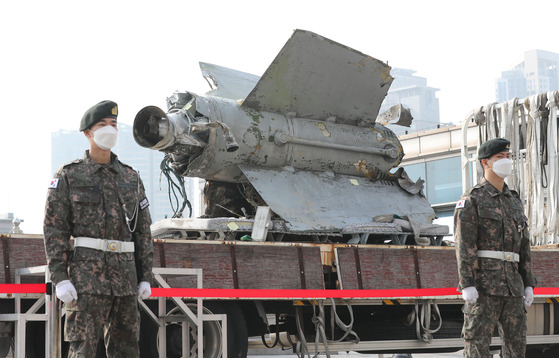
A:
(502, 167)
(105, 137)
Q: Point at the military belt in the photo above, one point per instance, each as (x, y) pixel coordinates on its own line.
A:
(104, 245)
(500, 255)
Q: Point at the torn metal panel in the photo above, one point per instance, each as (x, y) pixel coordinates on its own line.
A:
(228, 83)
(317, 78)
(313, 201)
(397, 114)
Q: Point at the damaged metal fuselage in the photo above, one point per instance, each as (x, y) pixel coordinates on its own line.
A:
(302, 138)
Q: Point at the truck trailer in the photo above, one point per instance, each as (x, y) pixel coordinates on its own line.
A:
(313, 239)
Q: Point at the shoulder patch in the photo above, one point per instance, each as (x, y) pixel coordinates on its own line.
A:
(460, 204)
(128, 166)
(144, 203)
(53, 184)
(77, 161)
(474, 188)
(65, 165)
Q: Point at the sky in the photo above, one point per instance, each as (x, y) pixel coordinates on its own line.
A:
(58, 58)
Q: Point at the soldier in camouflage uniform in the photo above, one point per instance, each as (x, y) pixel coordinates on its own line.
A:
(100, 203)
(493, 254)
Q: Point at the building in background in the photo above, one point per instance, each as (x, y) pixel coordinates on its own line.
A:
(67, 146)
(435, 157)
(536, 72)
(413, 93)
(9, 224)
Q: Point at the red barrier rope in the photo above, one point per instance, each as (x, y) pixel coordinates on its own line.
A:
(10, 288)
(317, 294)
(546, 291)
(300, 294)
(27, 288)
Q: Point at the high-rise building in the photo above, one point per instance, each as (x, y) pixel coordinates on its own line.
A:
(70, 145)
(413, 93)
(535, 72)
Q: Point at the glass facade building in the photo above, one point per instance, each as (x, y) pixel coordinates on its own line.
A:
(536, 72)
(443, 179)
(435, 157)
(442, 187)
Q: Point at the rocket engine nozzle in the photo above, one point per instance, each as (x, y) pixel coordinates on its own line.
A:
(146, 126)
(155, 129)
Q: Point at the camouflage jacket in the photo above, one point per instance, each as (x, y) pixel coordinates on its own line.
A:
(86, 199)
(487, 219)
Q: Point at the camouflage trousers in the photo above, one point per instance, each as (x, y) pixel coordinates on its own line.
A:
(480, 319)
(93, 317)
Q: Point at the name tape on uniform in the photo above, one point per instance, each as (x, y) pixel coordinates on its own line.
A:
(144, 203)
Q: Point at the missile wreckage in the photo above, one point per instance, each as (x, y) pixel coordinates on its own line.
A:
(300, 152)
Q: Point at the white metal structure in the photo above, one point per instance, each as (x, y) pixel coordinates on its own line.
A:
(21, 318)
(52, 316)
(532, 127)
(187, 318)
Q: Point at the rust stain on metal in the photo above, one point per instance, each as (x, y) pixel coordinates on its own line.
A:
(325, 131)
(255, 149)
(361, 167)
(385, 75)
(360, 64)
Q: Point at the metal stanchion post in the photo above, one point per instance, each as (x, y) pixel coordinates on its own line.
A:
(53, 304)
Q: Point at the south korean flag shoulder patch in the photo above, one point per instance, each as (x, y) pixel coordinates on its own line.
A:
(460, 204)
(144, 203)
(53, 184)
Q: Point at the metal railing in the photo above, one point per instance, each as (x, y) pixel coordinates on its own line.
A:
(20, 318)
(53, 313)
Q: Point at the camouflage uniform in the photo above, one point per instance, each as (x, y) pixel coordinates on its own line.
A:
(86, 199)
(487, 219)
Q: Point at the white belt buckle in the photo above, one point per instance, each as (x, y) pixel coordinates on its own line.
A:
(112, 246)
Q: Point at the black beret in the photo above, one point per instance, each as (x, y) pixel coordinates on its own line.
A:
(103, 109)
(493, 146)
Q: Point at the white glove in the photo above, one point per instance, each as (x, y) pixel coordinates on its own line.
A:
(528, 296)
(66, 292)
(469, 294)
(144, 290)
